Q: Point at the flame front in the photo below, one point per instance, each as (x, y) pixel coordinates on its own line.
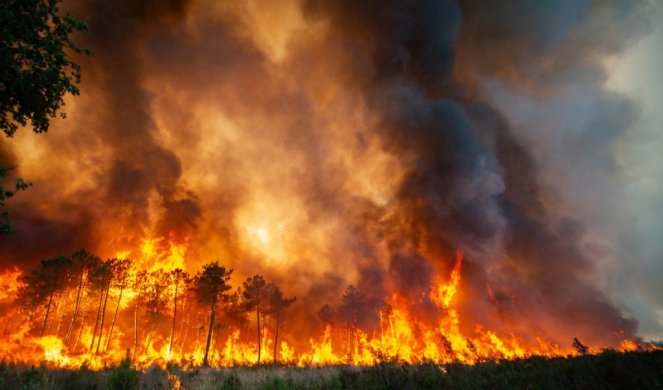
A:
(401, 335)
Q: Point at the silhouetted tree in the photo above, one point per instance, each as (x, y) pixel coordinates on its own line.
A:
(234, 312)
(139, 288)
(579, 346)
(121, 271)
(156, 300)
(35, 68)
(6, 225)
(41, 285)
(350, 311)
(100, 278)
(83, 262)
(352, 303)
(211, 285)
(277, 303)
(327, 314)
(254, 294)
(177, 277)
(35, 72)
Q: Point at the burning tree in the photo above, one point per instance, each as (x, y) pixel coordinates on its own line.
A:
(254, 293)
(41, 285)
(211, 285)
(100, 279)
(177, 277)
(122, 268)
(155, 300)
(277, 304)
(83, 263)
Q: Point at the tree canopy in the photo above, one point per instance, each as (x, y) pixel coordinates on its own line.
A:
(36, 70)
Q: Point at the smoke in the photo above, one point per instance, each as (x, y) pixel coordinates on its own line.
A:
(326, 143)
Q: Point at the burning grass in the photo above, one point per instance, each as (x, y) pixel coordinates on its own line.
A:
(609, 369)
(81, 311)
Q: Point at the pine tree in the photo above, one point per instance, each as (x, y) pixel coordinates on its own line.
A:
(211, 285)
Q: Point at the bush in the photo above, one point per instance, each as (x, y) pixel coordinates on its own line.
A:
(231, 382)
(123, 377)
(276, 383)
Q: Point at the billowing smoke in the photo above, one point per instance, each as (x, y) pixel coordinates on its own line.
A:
(327, 143)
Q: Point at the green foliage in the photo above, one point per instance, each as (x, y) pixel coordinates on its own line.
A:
(31, 379)
(123, 377)
(35, 68)
(276, 383)
(19, 185)
(334, 383)
(231, 382)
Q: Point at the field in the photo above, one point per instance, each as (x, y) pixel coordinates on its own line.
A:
(610, 369)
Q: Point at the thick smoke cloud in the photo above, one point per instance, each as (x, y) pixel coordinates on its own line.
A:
(325, 143)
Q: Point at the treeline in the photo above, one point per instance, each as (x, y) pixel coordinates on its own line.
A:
(67, 294)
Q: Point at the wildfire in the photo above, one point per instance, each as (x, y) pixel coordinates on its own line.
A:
(155, 318)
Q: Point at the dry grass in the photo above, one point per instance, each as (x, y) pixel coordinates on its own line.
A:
(634, 370)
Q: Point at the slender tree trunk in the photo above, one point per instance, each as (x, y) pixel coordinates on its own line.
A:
(80, 329)
(117, 308)
(103, 316)
(258, 323)
(96, 322)
(64, 311)
(179, 332)
(195, 348)
(209, 332)
(48, 307)
(186, 332)
(133, 357)
(57, 310)
(276, 335)
(183, 321)
(150, 333)
(78, 303)
(172, 328)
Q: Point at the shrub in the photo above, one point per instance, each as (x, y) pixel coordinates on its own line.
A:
(276, 383)
(231, 382)
(123, 377)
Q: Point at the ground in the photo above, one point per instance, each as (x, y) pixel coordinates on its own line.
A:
(609, 370)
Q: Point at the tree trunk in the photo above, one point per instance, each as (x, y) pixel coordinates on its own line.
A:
(78, 304)
(64, 311)
(186, 325)
(172, 328)
(150, 333)
(48, 307)
(117, 307)
(258, 324)
(96, 322)
(80, 328)
(133, 357)
(276, 335)
(103, 316)
(209, 332)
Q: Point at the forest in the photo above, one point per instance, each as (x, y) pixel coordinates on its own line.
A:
(78, 298)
